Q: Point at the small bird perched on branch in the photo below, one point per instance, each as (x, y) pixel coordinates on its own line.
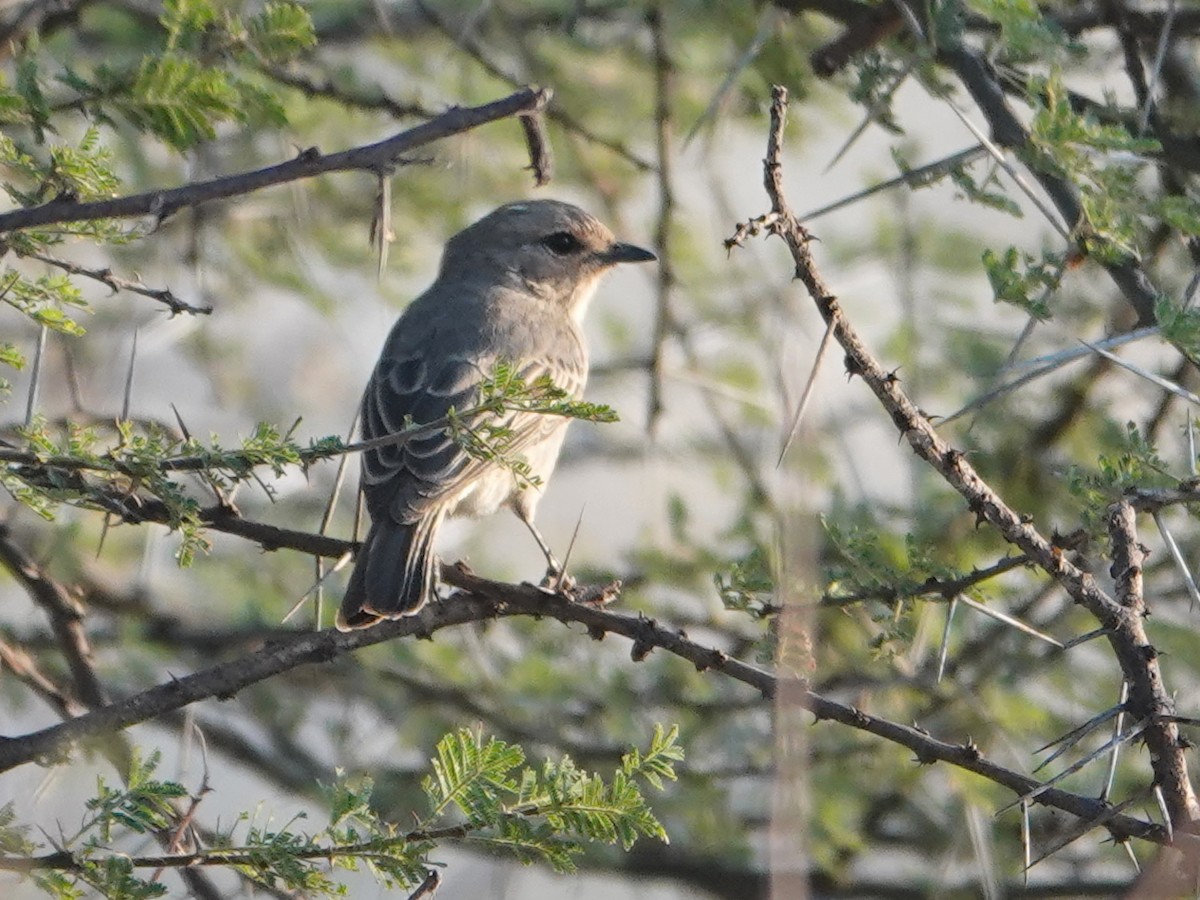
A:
(511, 292)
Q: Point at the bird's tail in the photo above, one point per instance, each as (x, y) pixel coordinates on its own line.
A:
(393, 575)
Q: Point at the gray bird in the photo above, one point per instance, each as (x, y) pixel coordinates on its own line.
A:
(512, 288)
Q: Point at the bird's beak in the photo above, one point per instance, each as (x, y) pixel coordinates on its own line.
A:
(626, 253)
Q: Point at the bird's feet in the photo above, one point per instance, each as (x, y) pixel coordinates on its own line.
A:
(556, 579)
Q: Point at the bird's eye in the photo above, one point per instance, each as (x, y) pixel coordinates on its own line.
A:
(562, 243)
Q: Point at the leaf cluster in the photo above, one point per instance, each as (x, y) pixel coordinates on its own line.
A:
(543, 812)
(497, 427)
(479, 792)
(1133, 463)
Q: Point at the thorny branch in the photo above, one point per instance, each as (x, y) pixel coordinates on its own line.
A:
(107, 277)
(480, 599)
(378, 157)
(1122, 622)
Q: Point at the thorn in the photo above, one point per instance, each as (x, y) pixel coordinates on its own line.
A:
(127, 400)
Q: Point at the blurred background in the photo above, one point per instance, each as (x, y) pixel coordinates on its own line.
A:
(658, 126)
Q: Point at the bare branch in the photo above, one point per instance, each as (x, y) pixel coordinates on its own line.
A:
(471, 47)
(664, 76)
(65, 614)
(106, 276)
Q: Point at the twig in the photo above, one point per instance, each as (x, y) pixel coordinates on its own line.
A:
(25, 669)
(106, 276)
(663, 318)
(946, 588)
(1075, 735)
(380, 102)
(1111, 744)
(65, 614)
(1010, 621)
(1044, 365)
(1157, 380)
(1160, 55)
(1147, 693)
(768, 24)
(945, 646)
(537, 145)
(913, 177)
(472, 48)
(428, 887)
(1177, 557)
(1083, 827)
(981, 81)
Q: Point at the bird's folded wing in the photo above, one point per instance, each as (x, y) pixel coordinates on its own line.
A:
(405, 480)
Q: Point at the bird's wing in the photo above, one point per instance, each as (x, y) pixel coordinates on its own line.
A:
(404, 481)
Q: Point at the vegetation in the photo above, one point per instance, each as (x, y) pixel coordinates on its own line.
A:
(862, 612)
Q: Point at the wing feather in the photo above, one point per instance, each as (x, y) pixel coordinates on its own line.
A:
(407, 481)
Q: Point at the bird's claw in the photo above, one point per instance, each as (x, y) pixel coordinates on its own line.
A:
(558, 581)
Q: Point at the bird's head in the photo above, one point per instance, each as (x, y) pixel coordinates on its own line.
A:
(555, 250)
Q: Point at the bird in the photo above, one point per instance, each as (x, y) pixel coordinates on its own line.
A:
(511, 291)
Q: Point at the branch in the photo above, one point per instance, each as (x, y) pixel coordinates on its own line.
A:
(1147, 694)
(225, 518)
(867, 25)
(327, 90)
(546, 401)
(1154, 499)
(984, 86)
(480, 599)
(378, 157)
(1123, 624)
(66, 618)
(24, 668)
(106, 276)
(472, 48)
(946, 588)
(664, 77)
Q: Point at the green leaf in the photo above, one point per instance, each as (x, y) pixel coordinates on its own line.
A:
(1023, 280)
(1025, 33)
(13, 839)
(85, 171)
(983, 194)
(11, 356)
(1179, 324)
(749, 585)
(1135, 463)
(179, 100)
(143, 805)
(41, 299)
(471, 774)
(658, 762)
(281, 31)
(1181, 212)
(182, 17)
(29, 87)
